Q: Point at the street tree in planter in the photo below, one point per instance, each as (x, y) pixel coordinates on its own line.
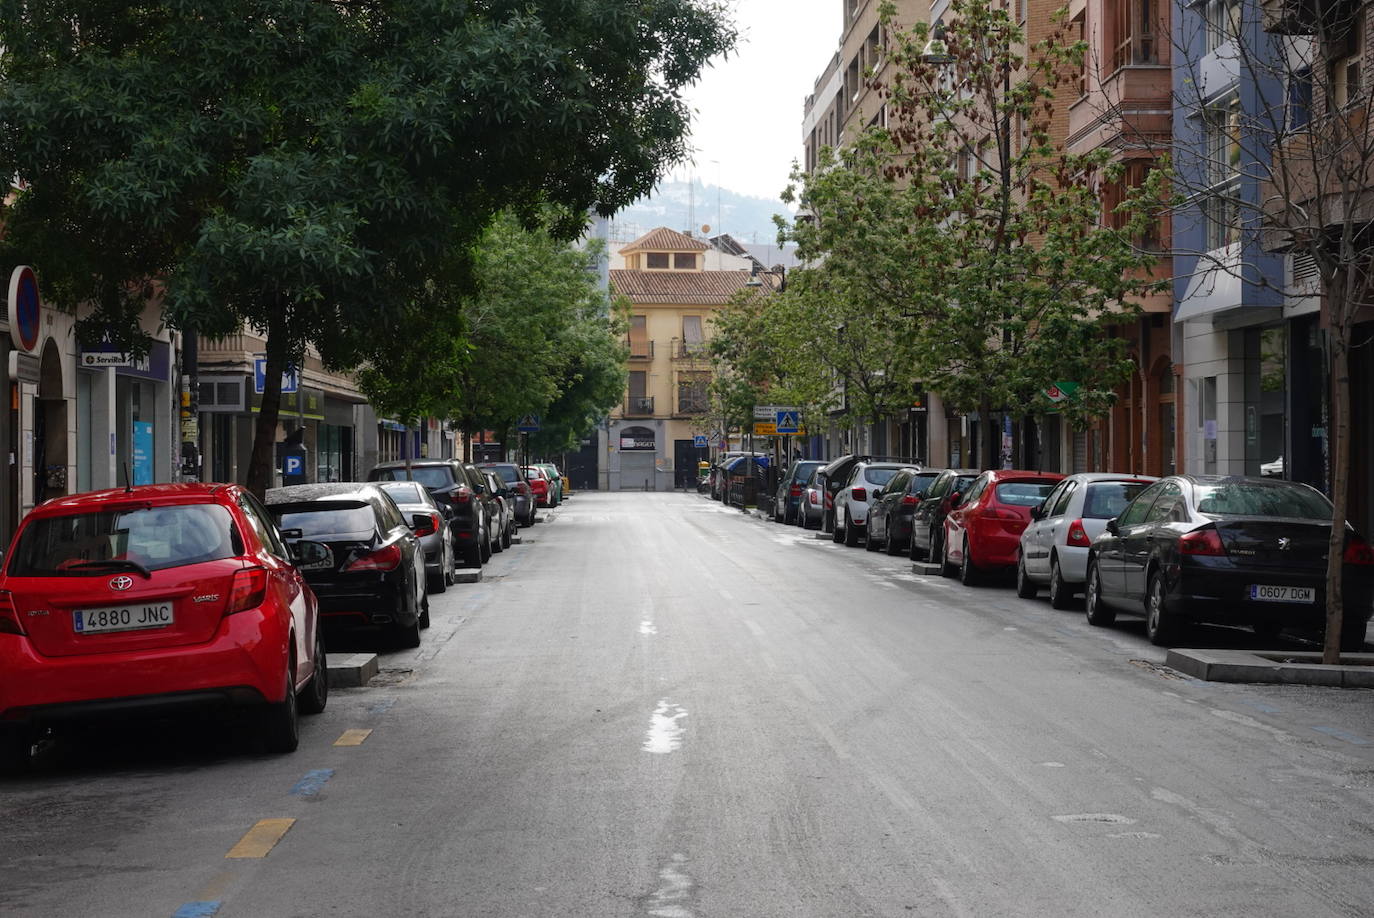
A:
(971, 232)
(307, 168)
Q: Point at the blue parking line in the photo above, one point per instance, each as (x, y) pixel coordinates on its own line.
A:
(312, 783)
(197, 910)
(1260, 706)
(1343, 735)
(382, 706)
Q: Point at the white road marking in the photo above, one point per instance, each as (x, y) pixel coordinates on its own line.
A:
(674, 893)
(1051, 764)
(1111, 818)
(665, 733)
(647, 627)
(754, 627)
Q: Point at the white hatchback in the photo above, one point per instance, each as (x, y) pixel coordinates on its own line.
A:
(851, 501)
(1054, 547)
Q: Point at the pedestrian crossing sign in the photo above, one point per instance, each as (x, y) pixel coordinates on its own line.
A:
(788, 422)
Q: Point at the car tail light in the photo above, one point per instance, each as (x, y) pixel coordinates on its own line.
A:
(248, 590)
(435, 524)
(794, 491)
(387, 558)
(1078, 535)
(9, 616)
(910, 500)
(522, 487)
(813, 498)
(1201, 542)
(859, 493)
(462, 494)
(1357, 551)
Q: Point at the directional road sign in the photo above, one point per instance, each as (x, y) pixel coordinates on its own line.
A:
(788, 421)
(765, 429)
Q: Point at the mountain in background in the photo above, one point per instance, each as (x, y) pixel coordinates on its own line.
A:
(688, 207)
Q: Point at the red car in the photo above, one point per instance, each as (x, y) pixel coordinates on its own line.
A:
(160, 598)
(983, 530)
(539, 483)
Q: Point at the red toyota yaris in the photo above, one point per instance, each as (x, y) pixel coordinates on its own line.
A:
(154, 599)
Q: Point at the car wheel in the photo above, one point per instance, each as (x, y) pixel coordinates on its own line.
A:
(1098, 613)
(837, 534)
(1161, 626)
(281, 729)
(870, 543)
(968, 574)
(438, 583)
(507, 535)
(946, 566)
(1060, 594)
(892, 546)
(937, 543)
(316, 693)
(484, 544)
(472, 555)
(851, 532)
(450, 562)
(1025, 587)
(424, 612)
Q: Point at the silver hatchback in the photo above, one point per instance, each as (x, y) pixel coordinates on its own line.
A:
(1054, 547)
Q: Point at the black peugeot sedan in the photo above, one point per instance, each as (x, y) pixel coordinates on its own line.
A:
(893, 509)
(1226, 550)
(374, 573)
(928, 522)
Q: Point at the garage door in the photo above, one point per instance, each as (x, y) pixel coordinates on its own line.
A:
(636, 468)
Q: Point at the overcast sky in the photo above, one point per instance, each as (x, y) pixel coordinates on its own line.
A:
(747, 130)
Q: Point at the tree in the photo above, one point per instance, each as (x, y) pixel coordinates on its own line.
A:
(307, 168)
(966, 240)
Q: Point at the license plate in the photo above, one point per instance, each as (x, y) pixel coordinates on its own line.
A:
(1262, 593)
(326, 564)
(122, 618)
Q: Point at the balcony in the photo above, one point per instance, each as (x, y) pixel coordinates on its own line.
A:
(690, 350)
(639, 406)
(1288, 17)
(691, 405)
(641, 350)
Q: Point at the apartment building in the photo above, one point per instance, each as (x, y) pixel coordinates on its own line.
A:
(649, 442)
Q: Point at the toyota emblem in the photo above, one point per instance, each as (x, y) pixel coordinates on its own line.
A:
(121, 583)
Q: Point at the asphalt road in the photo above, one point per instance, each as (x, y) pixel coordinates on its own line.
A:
(657, 706)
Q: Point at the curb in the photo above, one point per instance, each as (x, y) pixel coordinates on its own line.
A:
(351, 671)
(467, 575)
(1275, 667)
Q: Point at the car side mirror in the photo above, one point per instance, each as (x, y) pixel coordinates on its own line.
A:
(1113, 527)
(422, 524)
(290, 535)
(1038, 511)
(305, 553)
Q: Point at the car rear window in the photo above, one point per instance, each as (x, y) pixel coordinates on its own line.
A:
(1105, 500)
(507, 472)
(153, 537)
(327, 519)
(920, 484)
(1023, 493)
(1254, 498)
(431, 476)
(403, 492)
(879, 476)
(805, 470)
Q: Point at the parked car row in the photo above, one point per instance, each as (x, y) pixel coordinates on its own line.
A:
(182, 597)
(1177, 551)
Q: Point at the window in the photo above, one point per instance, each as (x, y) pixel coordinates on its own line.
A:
(1281, 499)
(1130, 28)
(1134, 175)
(656, 260)
(1135, 513)
(1345, 65)
(1223, 22)
(685, 261)
(693, 341)
(692, 392)
(1107, 499)
(1221, 127)
(261, 520)
(92, 544)
(1061, 505)
(638, 383)
(1165, 503)
(1300, 99)
(640, 346)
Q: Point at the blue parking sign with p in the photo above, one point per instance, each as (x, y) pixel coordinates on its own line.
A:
(295, 465)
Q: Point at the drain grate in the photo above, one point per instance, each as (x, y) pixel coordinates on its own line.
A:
(390, 677)
(1159, 669)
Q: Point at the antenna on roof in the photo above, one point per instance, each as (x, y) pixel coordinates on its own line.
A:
(128, 482)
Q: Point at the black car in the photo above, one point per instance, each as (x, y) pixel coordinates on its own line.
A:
(522, 495)
(787, 498)
(374, 574)
(432, 522)
(928, 522)
(834, 475)
(1240, 551)
(892, 509)
(461, 486)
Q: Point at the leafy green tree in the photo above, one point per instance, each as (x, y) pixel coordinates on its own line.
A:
(308, 168)
(961, 246)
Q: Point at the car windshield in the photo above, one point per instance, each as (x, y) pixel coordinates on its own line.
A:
(151, 537)
(879, 476)
(1254, 498)
(920, 484)
(1105, 500)
(431, 476)
(804, 471)
(404, 492)
(321, 520)
(1023, 493)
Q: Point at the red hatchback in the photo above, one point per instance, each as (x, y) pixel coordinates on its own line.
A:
(539, 483)
(983, 531)
(155, 599)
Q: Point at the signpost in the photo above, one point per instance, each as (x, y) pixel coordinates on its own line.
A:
(788, 421)
(528, 424)
(290, 379)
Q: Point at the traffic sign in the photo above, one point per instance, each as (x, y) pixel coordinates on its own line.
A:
(295, 465)
(528, 424)
(788, 421)
(699, 441)
(765, 429)
(290, 379)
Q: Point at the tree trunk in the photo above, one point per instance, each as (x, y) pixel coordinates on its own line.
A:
(260, 464)
(1340, 492)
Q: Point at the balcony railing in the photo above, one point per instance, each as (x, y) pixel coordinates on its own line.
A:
(638, 406)
(641, 350)
(691, 406)
(689, 350)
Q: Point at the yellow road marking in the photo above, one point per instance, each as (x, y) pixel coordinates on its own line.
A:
(352, 738)
(217, 887)
(261, 838)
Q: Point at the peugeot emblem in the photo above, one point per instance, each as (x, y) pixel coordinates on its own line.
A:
(121, 583)
(1284, 543)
